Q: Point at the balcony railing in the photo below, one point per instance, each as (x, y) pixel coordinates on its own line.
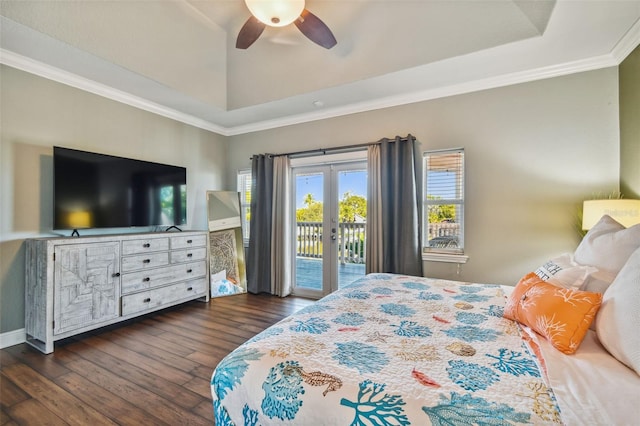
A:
(351, 238)
(443, 234)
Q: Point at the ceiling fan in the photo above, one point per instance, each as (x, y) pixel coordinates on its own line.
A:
(278, 13)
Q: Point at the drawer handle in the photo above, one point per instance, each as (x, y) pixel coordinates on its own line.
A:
(189, 254)
(189, 241)
(190, 288)
(146, 245)
(146, 261)
(147, 300)
(146, 279)
(115, 275)
(189, 271)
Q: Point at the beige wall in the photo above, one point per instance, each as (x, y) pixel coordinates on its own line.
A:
(37, 114)
(534, 151)
(629, 72)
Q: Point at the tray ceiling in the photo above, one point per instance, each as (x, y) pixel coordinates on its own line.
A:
(177, 58)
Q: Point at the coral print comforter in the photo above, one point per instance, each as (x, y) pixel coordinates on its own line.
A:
(388, 350)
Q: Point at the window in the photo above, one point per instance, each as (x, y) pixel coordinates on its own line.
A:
(244, 188)
(443, 204)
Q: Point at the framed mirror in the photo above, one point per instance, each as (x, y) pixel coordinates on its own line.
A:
(227, 267)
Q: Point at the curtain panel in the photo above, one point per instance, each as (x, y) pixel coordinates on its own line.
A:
(394, 207)
(259, 253)
(269, 257)
(281, 249)
(374, 252)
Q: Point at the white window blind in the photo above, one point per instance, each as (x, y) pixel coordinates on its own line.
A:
(443, 201)
(244, 188)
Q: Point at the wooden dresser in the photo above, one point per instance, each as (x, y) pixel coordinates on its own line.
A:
(78, 284)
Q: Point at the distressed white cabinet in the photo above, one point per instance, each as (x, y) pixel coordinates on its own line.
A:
(78, 284)
(87, 285)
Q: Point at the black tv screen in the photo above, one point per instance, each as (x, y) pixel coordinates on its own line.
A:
(94, 190)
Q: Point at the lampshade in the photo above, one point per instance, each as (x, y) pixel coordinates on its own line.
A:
(626, 212)
(276, 13)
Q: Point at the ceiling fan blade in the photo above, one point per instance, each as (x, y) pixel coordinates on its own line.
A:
(249, 33)
(315, 30)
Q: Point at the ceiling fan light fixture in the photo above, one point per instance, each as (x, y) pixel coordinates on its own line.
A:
(276, 13)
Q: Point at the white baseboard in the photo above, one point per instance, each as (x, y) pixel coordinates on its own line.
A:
(11, 338)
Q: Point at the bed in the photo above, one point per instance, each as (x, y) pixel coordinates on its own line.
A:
(400, 350)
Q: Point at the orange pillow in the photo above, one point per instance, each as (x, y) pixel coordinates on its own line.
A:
(561, 315)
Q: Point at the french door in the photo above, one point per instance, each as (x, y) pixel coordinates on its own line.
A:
(329, 229)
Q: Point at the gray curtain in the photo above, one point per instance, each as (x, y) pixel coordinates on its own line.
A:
(259, 254)
(396, 237)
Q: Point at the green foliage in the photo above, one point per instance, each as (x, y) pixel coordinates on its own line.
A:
(312, 212)
(440, 213)
(356, 248)
(350, 207)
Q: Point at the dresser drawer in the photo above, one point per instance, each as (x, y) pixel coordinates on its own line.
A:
(180, 256)
(142, 280)
(144, 261)
(186, 241)
(168, 295)
(144, 245)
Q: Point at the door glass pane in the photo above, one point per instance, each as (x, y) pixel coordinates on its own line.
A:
(309, 218)
(352, 218)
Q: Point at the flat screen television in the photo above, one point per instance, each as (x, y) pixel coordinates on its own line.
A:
(94, 190)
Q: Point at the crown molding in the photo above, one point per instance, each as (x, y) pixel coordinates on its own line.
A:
(627, 43)
(603, 61)
(49, 72)
(617, 55)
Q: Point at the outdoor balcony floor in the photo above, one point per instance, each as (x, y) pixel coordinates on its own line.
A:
(309, 273)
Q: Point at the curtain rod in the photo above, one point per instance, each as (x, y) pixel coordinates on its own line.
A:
(335, 150)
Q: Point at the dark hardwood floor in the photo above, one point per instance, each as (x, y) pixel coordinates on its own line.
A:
(154, 370)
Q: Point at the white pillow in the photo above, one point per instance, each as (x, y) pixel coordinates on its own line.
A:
(618, 321)
(608, 245)
(598, 281)
(563, 271)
